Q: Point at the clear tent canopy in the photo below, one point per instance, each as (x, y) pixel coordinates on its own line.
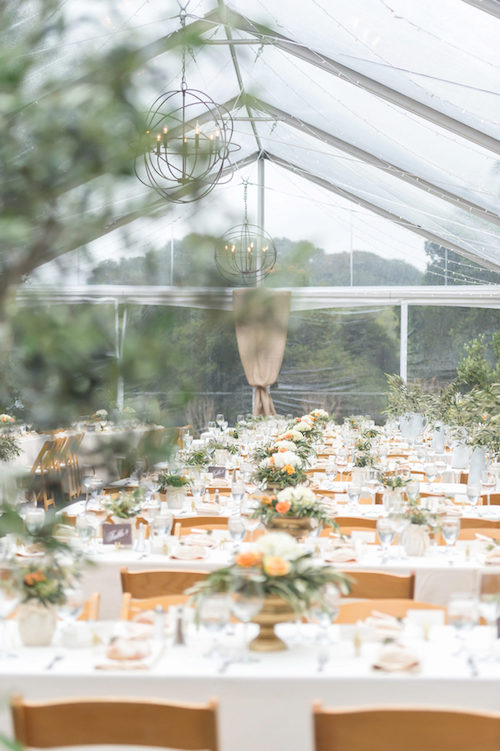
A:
(378, 118)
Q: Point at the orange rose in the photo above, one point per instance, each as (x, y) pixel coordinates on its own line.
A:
(247, 560)
(266, 500)
(276, 566)
(281, 451)
(282, 507)
(33, 577)
(288, 469)
(271, 461)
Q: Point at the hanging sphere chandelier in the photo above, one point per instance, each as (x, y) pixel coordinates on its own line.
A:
(245, 255)
(187, 144)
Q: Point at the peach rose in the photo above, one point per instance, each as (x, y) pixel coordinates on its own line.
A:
(266, 500)
(288, 469)
(33, 577)
(276, 566)
(248, 559)
(282, 507)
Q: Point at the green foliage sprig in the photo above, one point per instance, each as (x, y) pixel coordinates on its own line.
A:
(167, 481)
(9, 448)
(125, 505)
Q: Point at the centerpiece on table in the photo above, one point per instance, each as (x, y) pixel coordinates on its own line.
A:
(296, 444)
(222, 450)
(310, 429)
(294, 510)
(195, 461)
(280, 470)
(415, 537)
(124, 508)
(291, 583)
(320, 416)
(393, 485)
(172, 489)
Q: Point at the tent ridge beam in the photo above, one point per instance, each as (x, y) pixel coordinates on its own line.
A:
(352, 76)
(488, 6)
(301, 172)
(375, 161)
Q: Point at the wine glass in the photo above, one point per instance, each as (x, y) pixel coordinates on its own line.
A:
(450, 529)
(472, 495)
(214, 612)
(219, 419)
(325, 609)
(330, 472)
(386, 532)
(247, 598)
(10, 596)
(462, 615)
(73, 604)
(342, 462)
(371, 482)
(85, 529)
(34, 520)
(237, 491)
(237, 527)
(489, 482)
(412, 490)
(430, 470)
(353, 494)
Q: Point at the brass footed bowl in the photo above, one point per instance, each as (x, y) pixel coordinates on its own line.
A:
(274, 610)
(295, 526)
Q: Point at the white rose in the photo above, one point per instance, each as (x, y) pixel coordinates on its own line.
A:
(265, 463)
(285, 445)
(286, 495)
(319, 413)
(278, 544)
(303, 426)
(286, 457)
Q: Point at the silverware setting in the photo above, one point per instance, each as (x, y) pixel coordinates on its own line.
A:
(54, 661)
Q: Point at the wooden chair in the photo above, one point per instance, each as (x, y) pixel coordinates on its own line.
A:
(206, 527)
(132, 609)
(478, 522)
(470, 533)
(154, 583)
(411, 729)
(197, 521)
(376, 585)
(351, 612)
(96, 721)
(353, 521)
(91, 606)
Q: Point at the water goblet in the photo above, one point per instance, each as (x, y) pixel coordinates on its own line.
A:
(214, 614)
(34, 520)
(462, 615)
(371, 482)
(412, 490)
(85, 529)
(450, 529)
(72, 606)
(325, 609)
(472, 495)
(237, 527)
(247, 598)
(386, 532)
(430, 470)
(489, 482)
(353, 494)
(330, 472)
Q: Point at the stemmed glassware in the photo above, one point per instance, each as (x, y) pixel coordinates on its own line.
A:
(412, 490)
(472, 495)
(9, 600)
(237, 527)
(325, 609)
(450, 529)
(372, 482)
(489, 482)
(330, 472)
(463, 615)
(353, 494)
(342, 462)
(386, 532)
(247, 598)
(73, 604)
(431, 471)
(214, 615)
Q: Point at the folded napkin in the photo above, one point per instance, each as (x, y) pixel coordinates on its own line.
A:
(397, 659)
(341, 554)
(188, 553)
(128, 654)
(207, 509)
(385, 626)
(200, 538)
(493, 557)
(449, 508)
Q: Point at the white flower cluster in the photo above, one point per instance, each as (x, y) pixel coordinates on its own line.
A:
(278, 544)
(298, 496)
(281, 459)
(291, 435)
(285, 446)
(318, 413)
(304, 426)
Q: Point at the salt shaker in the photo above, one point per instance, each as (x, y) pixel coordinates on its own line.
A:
(179, 640)
(159, 623)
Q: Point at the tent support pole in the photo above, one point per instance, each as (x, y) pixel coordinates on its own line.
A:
(403, 351)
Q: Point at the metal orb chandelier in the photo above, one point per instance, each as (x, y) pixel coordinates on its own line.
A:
(186, 148)
(245, 254)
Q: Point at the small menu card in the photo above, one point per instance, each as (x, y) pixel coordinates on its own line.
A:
(113, 533)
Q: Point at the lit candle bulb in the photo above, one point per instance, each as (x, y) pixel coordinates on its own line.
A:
(197, 137)
(158, 142)
(165, 131)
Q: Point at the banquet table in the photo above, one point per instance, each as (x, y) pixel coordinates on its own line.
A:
(256, 701)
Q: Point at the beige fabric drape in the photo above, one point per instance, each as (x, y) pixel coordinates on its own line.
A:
(261, 320)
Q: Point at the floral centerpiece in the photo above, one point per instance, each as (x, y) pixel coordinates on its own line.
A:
(310, 429)
(196, 458)
(9, 448)
(291, 582)
(280, 470)
(124, 506)
(100, 415)
(6, 421)
(173, 489)
(295, 510)
(319, 415)
(393, 481)
(299, 446)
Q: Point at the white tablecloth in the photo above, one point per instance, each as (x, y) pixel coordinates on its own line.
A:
(265, 705)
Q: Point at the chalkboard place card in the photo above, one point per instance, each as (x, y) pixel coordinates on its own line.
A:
(113, 533)
(218, 472)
